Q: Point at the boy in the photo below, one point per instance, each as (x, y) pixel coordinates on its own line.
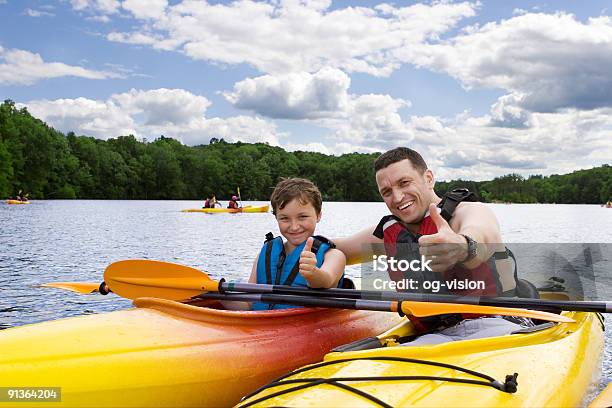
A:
(301, 260)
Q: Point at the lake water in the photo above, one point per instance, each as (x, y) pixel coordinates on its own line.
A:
(61, 240)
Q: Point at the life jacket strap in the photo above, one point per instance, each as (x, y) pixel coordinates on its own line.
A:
(451, 200)
(268, 242)
(318, 240)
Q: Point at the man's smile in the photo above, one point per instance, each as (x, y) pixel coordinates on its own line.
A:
(405, 205)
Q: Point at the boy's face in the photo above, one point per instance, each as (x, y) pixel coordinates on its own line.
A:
(406, 191)
(297, 221)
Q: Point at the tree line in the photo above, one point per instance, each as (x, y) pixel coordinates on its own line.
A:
(47, 164)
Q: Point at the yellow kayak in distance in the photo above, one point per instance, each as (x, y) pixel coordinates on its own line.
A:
(17, 202)
(247, 209)
(556, 364)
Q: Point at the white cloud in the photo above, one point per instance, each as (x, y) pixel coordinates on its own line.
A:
(240, 128)
(37, 13)
(293, 96)
(145, 9)
(554, 143)
(355, 39)
(98, 6)
(101, 119)
(322, 99)
(20, 67)
(163, 106)
(546, 62)
(373, 120)
(507, 112)
(100, 19)
(174, 113)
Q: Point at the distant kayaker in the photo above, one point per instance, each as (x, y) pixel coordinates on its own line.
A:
(233, 203)
(303, 259)
(211, 202)
(459, 241)
(22, 197)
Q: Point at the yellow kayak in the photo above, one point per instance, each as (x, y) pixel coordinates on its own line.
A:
(17, 202)
(168, 354)
(555, 363)
(247, 209)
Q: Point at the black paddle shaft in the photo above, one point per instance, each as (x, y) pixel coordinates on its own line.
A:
(534, 304)
(336, 303)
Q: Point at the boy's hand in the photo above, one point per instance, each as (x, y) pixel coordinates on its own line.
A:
(308, 261)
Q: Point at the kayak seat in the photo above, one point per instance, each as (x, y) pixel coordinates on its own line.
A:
(526, 290)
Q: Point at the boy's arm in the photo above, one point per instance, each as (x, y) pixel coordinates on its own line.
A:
(357, 248)
(330, 272)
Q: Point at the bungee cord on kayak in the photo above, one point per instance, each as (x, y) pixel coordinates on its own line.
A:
(509, 385)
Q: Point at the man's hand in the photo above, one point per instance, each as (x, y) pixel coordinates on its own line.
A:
(445, 248)
(308, 261)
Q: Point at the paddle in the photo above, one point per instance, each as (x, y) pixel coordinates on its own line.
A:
(420, 309)
(78, 287)
(239, 198)
(137, 278)
(140, 278)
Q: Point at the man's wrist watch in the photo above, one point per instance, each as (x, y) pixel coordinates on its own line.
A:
(471, 249)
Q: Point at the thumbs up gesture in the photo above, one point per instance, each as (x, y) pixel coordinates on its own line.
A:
(308, 261)
(444, 248)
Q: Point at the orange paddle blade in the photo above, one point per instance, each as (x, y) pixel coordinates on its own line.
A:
(136, 278)
(78, 287)
(423, 309)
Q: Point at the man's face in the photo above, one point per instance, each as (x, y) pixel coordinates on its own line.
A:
(406, 191)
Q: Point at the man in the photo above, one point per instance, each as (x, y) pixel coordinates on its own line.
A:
(467, 245)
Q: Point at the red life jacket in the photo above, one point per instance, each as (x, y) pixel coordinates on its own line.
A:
(398, 239)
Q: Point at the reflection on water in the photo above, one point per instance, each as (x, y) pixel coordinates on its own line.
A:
(75, 240)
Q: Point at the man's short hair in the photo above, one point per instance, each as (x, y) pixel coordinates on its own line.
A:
(289, 189)
(398, 154)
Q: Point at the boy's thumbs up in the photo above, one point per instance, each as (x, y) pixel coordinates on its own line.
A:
(308, 260)
(308, 246)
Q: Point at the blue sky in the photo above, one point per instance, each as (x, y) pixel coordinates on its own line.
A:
(481, 89)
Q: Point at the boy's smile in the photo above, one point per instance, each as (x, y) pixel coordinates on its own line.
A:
(297, 222)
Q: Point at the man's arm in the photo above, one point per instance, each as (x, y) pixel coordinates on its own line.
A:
(478, 222)
(358, 247)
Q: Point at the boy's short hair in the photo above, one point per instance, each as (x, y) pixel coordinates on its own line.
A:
(398, 154)
(289, 189)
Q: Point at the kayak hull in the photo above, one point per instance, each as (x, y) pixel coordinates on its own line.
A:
(168, 354)
(247, 209)
(17, 202)
(556, 367)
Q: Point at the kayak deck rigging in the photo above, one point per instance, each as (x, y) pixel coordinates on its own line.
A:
(509, 385)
